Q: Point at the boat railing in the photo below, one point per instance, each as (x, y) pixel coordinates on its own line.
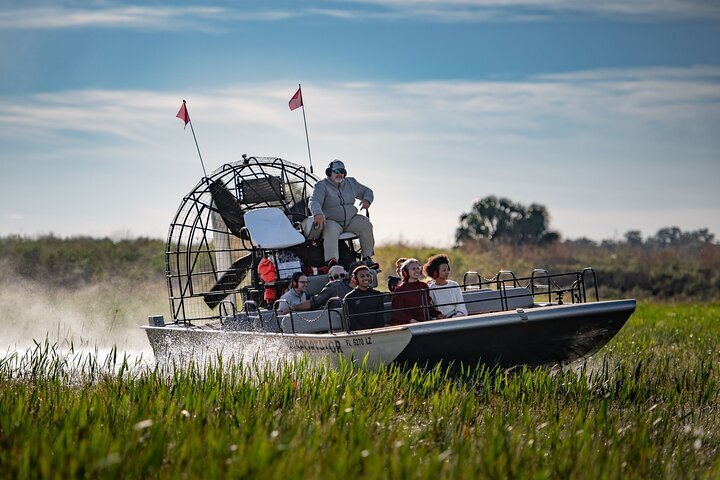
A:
(537, 274)
(502, 278)
(276, 305)
(341, 313)
(253, 314)
(470, 274)
(503, 292)
(223, 310)
(334, 306)
(589, 271)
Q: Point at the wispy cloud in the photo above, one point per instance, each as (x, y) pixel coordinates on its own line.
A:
(528, 10)
(136, 17)
(647, 136)
(461, 108)
(223, 15)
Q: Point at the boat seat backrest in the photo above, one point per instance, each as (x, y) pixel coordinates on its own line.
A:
(314, 321)
(315, 284)
(270, 229)
(486, 300)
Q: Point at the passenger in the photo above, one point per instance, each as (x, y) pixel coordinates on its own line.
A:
(411, 300)
(295, 294)
(445, 294)
(334, 212)
(373, 273)
(337, 286)
(365, 304)
(395, 281)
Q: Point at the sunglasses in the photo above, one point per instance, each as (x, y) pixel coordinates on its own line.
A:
(339, 276)
(340, 171)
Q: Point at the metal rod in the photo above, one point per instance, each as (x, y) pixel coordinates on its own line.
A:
(195, 138)
(307, 139)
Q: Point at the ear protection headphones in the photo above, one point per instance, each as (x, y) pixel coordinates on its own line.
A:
(329, 168)
(356, 272)
(295, 279)
(405, 266)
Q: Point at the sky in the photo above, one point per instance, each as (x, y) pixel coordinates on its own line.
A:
(607, 113)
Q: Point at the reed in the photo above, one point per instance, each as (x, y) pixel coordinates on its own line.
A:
(647, 407)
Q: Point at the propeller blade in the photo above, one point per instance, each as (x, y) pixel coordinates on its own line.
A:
(228, 207)
(229, 281)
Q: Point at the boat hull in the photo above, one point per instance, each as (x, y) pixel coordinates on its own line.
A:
(538, 336)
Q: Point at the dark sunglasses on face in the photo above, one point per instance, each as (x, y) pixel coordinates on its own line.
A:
(340, 171)
(339, 276)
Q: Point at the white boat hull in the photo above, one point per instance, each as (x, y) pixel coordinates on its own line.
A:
(535, 336)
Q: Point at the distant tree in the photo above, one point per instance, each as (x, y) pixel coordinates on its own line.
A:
(501, 220)
(582, 242)
(675, 237)
(633, 237)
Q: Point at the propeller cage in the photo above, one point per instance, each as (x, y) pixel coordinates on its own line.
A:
(211, 265)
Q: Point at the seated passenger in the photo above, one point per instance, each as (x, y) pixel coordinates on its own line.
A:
(445, 294)
(411, 300)
(295, 294)
(365, 305)
(337, 286)
(395, 281)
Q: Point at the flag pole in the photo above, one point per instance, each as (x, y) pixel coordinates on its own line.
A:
(196, 142)
(307, 139)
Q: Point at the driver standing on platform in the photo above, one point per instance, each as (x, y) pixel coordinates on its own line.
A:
(334, 212)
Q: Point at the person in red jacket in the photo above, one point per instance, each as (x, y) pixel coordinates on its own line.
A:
(411, 300)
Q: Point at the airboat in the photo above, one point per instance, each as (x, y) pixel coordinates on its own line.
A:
(257, 208)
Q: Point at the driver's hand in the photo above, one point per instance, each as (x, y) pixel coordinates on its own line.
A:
(319, 221)
(365, 205)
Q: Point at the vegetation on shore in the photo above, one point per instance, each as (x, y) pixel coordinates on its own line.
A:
(665, 272)
(646, 408)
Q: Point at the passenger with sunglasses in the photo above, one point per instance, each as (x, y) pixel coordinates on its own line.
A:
(332, 205)
(338, 286)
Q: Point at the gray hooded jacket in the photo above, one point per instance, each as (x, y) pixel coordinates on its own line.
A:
(337, 202)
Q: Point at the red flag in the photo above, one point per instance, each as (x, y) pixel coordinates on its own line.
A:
(183, 114)
(296, 100)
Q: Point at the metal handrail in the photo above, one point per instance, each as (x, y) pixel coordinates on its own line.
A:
(543, 273)
(345, 325)
(220, 310)
(249, 306)
(276, 304)
(498, 278)
(469, 273)
(595, 284)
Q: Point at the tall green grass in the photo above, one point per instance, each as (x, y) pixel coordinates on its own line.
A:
(646, 407)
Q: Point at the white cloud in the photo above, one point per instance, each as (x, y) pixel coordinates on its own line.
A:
(141, 17)
(585, 144)
(528, 10)
(218, 18)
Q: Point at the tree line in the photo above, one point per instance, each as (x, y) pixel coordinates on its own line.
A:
(503, 221)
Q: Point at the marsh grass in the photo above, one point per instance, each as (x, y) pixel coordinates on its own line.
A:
(647, 407)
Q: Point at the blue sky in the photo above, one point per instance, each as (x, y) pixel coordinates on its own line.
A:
(607, 113)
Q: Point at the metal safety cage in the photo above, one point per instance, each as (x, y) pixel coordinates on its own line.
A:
(208, 265)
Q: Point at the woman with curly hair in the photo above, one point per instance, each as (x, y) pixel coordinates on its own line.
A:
(445, 294)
